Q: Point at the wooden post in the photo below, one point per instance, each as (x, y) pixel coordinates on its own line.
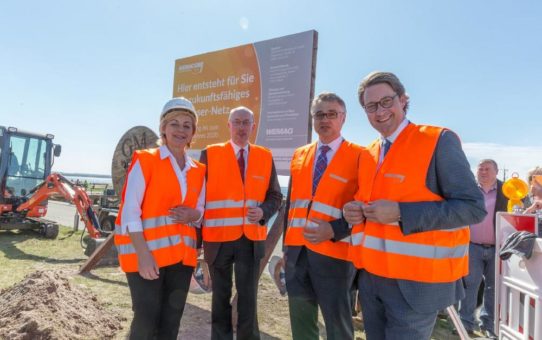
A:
(96, 256)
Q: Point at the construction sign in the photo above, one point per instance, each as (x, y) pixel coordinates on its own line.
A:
(274, 78)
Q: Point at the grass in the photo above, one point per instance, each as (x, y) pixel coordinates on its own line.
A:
(23, 252)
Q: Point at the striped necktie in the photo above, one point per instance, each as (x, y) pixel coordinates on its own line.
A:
(321, 165)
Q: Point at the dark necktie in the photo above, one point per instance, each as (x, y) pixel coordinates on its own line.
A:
(321, 165)
(387, 145)
(241, 162)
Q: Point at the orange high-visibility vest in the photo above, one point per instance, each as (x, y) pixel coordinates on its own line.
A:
(228, 198)
(382, 249)
(336, 187)
(169, 243)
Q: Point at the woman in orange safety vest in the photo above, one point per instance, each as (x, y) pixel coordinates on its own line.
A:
(162, 203)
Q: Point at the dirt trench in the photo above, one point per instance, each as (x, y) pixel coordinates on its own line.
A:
(45, 305)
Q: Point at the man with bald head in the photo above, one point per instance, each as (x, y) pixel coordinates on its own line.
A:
(243, 192)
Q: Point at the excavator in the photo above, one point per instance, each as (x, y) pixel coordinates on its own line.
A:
(26, 183)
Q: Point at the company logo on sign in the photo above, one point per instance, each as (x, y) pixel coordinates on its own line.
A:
(194, 67)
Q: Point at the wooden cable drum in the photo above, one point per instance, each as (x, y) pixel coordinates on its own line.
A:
(137, 138)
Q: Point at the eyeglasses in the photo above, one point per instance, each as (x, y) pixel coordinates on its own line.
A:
(329, 115)
(239, 123)
(385, 103)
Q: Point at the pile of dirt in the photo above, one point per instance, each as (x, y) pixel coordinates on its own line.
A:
(44, 305)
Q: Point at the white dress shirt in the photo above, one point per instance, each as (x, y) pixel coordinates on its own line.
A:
(135, 190)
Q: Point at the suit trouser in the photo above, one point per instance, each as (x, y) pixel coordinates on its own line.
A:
(235, 256)
(158, 304)
(386, 313)
(309, 288)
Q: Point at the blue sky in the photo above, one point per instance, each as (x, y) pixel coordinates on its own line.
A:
(87, 71)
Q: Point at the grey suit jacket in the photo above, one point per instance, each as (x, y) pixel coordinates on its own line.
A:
(272, 202)
(449, 176)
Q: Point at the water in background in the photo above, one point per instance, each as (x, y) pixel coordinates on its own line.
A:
(90, 180)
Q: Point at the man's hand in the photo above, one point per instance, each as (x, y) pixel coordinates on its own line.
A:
(254, 214)
(319, 231)
(382, 211)
(353, 212)
(184, 215)
(148, 269)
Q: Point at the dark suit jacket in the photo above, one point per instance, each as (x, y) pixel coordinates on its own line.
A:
(449, 176)
(272, 202)
(501, 204)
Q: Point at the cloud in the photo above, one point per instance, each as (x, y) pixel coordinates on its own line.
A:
(510, 159)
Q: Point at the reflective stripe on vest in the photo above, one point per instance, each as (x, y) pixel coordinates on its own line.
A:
(163, 242)
(149, 223)
(409, 249)
(224, 222)
(223, 204)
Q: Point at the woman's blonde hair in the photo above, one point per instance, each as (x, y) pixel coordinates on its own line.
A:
(168, 116)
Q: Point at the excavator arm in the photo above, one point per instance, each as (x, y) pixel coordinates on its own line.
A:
(56, 184)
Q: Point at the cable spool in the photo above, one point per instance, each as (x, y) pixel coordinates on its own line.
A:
(137, 138)
(515, 189)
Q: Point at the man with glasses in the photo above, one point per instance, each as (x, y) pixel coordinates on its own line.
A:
(416, 198)
(323, 177)
(242, 193)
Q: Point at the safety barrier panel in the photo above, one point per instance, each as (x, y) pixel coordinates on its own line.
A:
(518, 283)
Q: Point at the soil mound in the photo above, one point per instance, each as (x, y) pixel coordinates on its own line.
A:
(44, 305)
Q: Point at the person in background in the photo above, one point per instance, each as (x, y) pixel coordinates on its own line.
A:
(416, 198)
(243, 192)
(482, 253)
(533, 202)
(162, 204)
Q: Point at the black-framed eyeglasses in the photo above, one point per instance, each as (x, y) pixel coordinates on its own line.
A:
(319, 115)
(385, 103)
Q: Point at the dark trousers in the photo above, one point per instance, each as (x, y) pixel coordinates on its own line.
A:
(235, 256)
(158, 304)
(386, 313)
(309, 288)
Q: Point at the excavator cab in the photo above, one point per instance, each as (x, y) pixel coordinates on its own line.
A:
(25, 162)
(26, 159)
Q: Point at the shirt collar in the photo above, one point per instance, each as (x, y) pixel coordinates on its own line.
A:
(165, 153)
(236, 147)
(334, 145)
(396, 133)
(493, 187)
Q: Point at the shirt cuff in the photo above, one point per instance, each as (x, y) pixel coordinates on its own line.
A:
(197, 223)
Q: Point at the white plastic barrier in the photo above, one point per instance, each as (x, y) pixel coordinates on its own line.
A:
(519, 284)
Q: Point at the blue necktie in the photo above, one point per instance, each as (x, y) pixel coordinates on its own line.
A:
(387, 145)
(321, 165)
